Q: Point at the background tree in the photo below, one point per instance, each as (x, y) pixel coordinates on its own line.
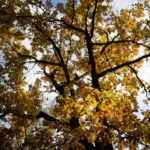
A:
(89, 56)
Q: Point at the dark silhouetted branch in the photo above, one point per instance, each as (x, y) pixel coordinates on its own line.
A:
(37, 60)
(59, 88)
(46, 117)
(122, 65)
(4, 114)
(65, 24)
(98, 145)
(34, 58)
(119, 41)
(93, 18)
(73, 122)
(136, 74)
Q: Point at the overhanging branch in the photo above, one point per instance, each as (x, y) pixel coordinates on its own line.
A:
(59, 88)
(38, 61)
(70, 26)
(136, 74)
(122, 65)
(46, 117)
(34, 58)
(105, 44)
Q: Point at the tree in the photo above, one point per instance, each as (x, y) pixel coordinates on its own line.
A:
(89, 55)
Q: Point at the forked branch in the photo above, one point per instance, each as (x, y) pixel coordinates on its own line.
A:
(123, 65)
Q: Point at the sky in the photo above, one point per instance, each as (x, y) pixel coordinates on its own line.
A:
(144, 72)
(117, 4)
(56, 1)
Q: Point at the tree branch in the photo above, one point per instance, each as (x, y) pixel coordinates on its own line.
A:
(57, 49)
(122, 65)
(73, 122)
(119, 41)
(34, 58)
(136, 74)
(46, 117)
(92, 62)
(71, 26)
(93, 18)
(59, 88)
(4, 114)
(39, 61)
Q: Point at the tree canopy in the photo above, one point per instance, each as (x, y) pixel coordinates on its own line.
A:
(89, 55)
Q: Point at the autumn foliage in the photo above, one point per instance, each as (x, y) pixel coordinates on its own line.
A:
(89, 55)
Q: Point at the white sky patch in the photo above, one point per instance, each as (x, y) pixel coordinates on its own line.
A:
(35, 9)
(75, 37)
(32, 73)
(56, 1)
(120, 4)
(50, 101)
(144, 74)
(144, 71)
(27, 43)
